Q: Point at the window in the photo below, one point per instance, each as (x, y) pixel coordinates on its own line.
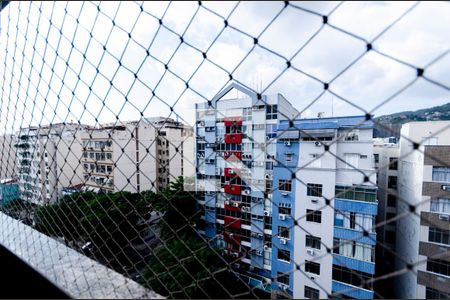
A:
(389, 237)
(289, 157)
(313, 242)
(313, 216)
(441, 174)
(440, 236)
(314, 190)
(352, 136)
(283, 278)
(391, 200)
(438, 266)
(271, 112)
(363, 156)
(311, 293)
(283, 232)
(352, 277)
(284, 210)
(393, 163)
(108, 155)
(431, 293)
(376, 158)
(284, 185)
(312, 267)
(354, 250)
(353, 220)
(360, 193)
(392, 182)
(441, 205)
(339, 220)
(284, 255)
(389, 217)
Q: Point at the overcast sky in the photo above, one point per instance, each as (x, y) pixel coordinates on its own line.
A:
(40, 69)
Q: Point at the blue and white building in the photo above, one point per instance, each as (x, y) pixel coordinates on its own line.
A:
(276, 194)
(324, 208)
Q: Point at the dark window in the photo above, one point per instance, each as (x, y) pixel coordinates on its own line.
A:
(352, 277)
(284, 185)
(283, 278)
(283, 232)
(376, 158)
(392, 182)
(438, 266)
(311, 293)
(284, 210)
(313, 216)
(389, 217)
(391, 200)
(431, 293)
(313, 242)
(271, 112)
(284, 255)
(314, 190)
(389, 237)
(393, 163)
(440, 236)
(352, 220)
(312, 267)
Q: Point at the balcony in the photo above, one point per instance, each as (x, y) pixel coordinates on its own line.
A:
(233, 138)
(234, 206)
(232, 155)
(232, 238)
(231, 222)
(232, 189)
(230, 121)
(230, 172)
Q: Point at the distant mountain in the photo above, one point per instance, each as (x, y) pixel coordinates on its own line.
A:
(393, 122)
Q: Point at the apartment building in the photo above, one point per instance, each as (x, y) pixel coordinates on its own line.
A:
(47, 161)
(324, 208)
(174, 150)
(236, 147)
(386, 154)
(275, 195)
(134, 156)
(8, 158)
(422, 239)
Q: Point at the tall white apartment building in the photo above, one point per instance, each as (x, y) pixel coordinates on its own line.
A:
(47, 161)
(422, 239)
(8, 151)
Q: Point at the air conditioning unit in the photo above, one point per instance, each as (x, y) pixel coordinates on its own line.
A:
(444, 217)
(266, 213)
(283, 287)
(247, 192)
(234, 254)
(202, 123)
(318, 144)
(314, 200)
(269, 196)
(282, 217)
(446, 188)
(217, 205)
(235, 204)
(259, 252)
(287, 143)
(266, 248)
(310, 252)
(231, 171)
(268, 176)
(267, 137)
(283, 241)
(260, 235)
(227, 202)
(244, 208)
(284, 194)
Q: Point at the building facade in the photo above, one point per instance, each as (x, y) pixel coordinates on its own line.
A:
(324, 208)
(422, 239)
(386, 154)
(236, 147)
(275, 200)
(134, 156)
(47, 161)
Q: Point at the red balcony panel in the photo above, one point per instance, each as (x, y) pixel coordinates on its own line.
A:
(235, 206)
(232, 155)
(230, 172)
(233, 138)
(232, 189)
(230, 121)
(232, 238)
(231, 222)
